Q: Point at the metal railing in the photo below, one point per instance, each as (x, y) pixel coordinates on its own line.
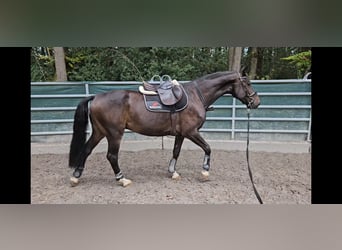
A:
(234, 108)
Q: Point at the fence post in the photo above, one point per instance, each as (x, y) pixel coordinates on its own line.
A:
(233, 118)
(309, 128)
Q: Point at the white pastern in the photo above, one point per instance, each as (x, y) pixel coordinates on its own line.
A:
(175, 176)
(125, 182)
(74, 181)
(205, 175)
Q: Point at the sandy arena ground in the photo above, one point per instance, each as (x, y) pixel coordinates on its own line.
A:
(280, 177)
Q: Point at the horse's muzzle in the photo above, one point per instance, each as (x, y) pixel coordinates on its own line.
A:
(254, 101)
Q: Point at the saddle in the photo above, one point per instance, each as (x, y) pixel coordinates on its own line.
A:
(169, 91)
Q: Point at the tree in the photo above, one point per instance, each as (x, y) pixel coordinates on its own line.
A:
(254, 63)
(61, 74)
(181, 63)
(234, 58)
(302, 61)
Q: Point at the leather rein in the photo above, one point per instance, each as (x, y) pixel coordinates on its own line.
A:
(251, 101)
(247, 156)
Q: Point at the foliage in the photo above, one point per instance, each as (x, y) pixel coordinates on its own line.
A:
(302, 61)
(42, 65)
(141, 63)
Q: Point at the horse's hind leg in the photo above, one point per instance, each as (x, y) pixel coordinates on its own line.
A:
(197, 139)
(86, 151)
(176, 150)
(112, 156)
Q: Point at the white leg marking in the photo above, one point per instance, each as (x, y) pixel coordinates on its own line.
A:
(205, 175)
(175, 176)
(73, 181)
(125, 182)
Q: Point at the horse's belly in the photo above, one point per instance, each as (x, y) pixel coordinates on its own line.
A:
(149, 123)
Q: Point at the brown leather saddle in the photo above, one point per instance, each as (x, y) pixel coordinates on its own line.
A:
(169, 91)
(165, 95)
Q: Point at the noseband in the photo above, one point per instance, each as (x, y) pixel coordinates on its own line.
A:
(250, 96)
(253, 94)
(251, 99)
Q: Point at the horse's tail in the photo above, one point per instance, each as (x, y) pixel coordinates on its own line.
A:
(79, 135)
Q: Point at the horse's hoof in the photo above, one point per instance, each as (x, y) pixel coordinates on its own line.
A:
(74, 181)
(125, 182)
(204, 175)
(175, 176)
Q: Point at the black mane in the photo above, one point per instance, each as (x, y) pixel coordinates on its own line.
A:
(216, 75)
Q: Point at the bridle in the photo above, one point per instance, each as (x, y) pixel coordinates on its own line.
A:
(249, 95)
(251, 99)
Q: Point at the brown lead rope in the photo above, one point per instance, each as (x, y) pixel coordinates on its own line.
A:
(249, 168)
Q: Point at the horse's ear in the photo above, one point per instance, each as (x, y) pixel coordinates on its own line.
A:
(243, 70)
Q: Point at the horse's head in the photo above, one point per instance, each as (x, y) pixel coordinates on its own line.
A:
(243, 90)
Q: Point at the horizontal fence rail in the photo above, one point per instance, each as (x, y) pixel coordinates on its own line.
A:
(53, 105)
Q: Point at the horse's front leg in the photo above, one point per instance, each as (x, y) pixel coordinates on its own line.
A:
(176, 150)
(197, 139)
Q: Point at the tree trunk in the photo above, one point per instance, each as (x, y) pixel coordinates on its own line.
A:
(234, 58)
(254, 63)
(61, 75)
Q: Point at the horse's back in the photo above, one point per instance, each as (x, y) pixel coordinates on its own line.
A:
(109, 99)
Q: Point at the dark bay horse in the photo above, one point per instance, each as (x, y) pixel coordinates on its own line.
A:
(112, 112)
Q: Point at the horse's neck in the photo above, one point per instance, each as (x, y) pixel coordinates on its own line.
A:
(212, 89)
